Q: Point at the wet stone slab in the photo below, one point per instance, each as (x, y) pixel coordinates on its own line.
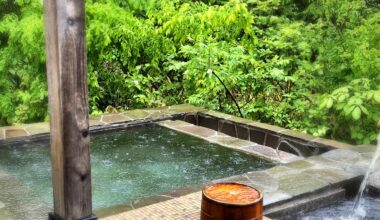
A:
(331, 176)
(238, 179)
(280, 170)
(350, 161)
(230, 141)
(331, 143)
(174, 124)
(37, 128)
(342, 155)
(155, 114)
(326, 163)
(2, 133)
(275, 196)
(300, 183)
(367, 155)
(364, 148)
(263, 181)
(184, 108)
(219, 114)
(360, 166)
(357, 168)
(271, 154)
(241, 120)
(298, 135)
(198, 131)
(114, 118)
(299, 165)
(136, 114)
(95, 120)
(15, 132)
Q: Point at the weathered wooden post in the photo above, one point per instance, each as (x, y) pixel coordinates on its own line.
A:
(68, 105)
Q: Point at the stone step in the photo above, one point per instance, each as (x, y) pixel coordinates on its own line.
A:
(305, 203)
(225, 140)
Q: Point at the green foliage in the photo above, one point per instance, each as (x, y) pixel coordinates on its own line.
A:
(23, 92)
(356, 106)
(126, 57)
(310, 65)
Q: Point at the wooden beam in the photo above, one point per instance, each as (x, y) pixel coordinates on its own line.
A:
(68, 106)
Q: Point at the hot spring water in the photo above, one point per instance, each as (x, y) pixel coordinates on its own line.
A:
(126, 165)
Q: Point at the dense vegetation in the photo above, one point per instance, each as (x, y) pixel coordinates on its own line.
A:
(311, 65)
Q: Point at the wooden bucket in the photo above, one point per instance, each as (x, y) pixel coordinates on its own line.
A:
(231, 201)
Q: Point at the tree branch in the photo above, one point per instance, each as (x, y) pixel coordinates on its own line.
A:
(229, 93)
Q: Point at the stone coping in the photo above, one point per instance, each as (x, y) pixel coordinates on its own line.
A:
(225, 140)
(263, 134)
(98, 123)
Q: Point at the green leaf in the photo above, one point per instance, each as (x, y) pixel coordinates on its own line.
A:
(329, 103)
(364, 110)
(376, 96)
(356, 113)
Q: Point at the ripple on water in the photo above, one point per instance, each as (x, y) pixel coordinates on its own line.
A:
(130, 164)
(369, 209)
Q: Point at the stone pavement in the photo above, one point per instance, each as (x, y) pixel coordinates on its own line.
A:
(185, 207)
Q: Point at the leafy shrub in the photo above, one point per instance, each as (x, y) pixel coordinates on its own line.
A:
(306, 65)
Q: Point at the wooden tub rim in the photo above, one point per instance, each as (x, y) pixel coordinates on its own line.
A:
(258, 200)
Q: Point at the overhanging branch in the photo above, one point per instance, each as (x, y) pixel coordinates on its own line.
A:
(228, 92)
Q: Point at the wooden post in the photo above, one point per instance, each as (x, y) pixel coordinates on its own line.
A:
(68, 105)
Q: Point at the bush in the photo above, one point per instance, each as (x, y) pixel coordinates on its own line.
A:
(306, 65)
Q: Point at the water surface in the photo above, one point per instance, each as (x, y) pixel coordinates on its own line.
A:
(370, 209)
(126, 165)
